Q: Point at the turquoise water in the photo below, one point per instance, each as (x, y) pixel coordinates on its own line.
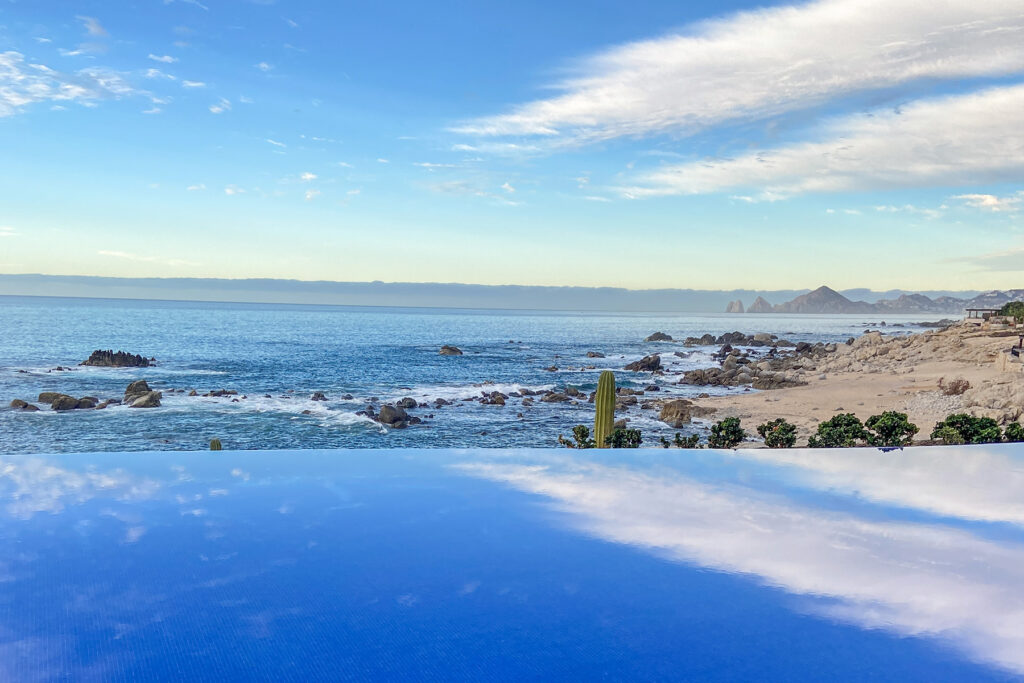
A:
(288, 352)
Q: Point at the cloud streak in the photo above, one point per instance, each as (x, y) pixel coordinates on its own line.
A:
(757, 64)
(23, 83)
(958, 140)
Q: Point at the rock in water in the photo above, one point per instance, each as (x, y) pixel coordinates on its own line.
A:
(139, 395)
(447, 350)
(407, 402)
(734, 306)
(318, 396)
(760, 306)
(18, 404)
(658, 336)
(393, 416)
(119, 359)
(64, 402)
(646, 364)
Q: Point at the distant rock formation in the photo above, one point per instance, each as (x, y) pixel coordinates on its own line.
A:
(734, 307)
(658, 336)
(760, 306)
(823, 300)
(827, 300)
(120, 359)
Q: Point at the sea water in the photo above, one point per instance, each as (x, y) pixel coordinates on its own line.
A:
(276, 356)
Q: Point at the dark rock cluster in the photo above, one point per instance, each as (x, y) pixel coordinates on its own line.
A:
(117, 359)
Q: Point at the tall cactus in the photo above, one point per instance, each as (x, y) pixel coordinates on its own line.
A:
(604, 404)
(215, 445)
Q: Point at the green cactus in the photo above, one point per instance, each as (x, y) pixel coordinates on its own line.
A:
(604, 403)
(215, 445)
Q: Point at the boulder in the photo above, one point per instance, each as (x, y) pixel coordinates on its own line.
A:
(119, 359)
(646, 364)
(407, 402)
(595, 354)
(136, 389)
(48, 396)
(393, 416)
(18, 404)
(553, 397)
(88, 402)
(448, 350)
(658, 336)
(318, 396)
(150, 399)
(680, 411)
(64, 402)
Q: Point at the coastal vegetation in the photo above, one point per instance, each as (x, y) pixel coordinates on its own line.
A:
(778, 433)
(726, 434)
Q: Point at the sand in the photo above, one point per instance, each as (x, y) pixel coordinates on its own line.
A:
(877, 373)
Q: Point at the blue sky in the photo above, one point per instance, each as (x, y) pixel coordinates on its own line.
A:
(643, 144)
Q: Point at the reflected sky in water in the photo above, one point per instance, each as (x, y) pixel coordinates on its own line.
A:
(513, 564)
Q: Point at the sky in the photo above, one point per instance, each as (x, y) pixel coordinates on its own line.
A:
(709, 145)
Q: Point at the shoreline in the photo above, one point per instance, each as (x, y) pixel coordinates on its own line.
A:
(902, 373)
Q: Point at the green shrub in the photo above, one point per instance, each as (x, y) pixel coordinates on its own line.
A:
(1015, 309)
(842, 431)
(580, 438)
(1014, 432)
(948, 435)
(778, 434)
(972, 429)
(890, 429)
(692, 441)
(624, 438)
(726, 434)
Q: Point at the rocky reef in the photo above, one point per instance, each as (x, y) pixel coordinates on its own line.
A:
(117, 359)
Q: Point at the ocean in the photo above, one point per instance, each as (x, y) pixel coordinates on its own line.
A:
(276, 356)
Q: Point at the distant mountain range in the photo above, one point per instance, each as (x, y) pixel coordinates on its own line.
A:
(827, 300)
(460, 295)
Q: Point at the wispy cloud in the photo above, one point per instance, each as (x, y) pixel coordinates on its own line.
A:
(193, 84)
(128, 256)
(767, 62)
(264, 67)
(24, 83)
(233, 190)
(910, 208)
(7, 231)
(467, 188)
(275, 143)
(196, 188)
(222, 106)
(312, 194)
(92, 26)
(956, 140)
(990, 202)
(163, 59)
(307, 177)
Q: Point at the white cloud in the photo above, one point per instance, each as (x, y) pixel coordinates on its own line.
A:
(7, 231)
(24, 83)
(292, 23)
(40, 39)
(431, 166)
(910, 208)
(196, 188)
(152, 110)
(264, 67)
(353, 193)
(193, 84)
(595, 198)
(157, 73)
(991, 202)
(312, 194)
(956, 140)
(307, 176)
(383, 161)
(128, 256)
(275, 143)
(921, 579)
(221, 107)
(92, 26)
(164, 59)
(766, 62)
(233, 190)
(463, 187)
(344, 164)
(508, 187)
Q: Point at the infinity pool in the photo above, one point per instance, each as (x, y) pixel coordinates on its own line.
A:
(513, 565)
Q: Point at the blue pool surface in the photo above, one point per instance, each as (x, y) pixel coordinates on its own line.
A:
(513, 565)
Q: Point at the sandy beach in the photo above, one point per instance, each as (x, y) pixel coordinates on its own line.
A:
(877, 373)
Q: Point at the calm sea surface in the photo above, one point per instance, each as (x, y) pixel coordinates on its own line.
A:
(289, 351)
